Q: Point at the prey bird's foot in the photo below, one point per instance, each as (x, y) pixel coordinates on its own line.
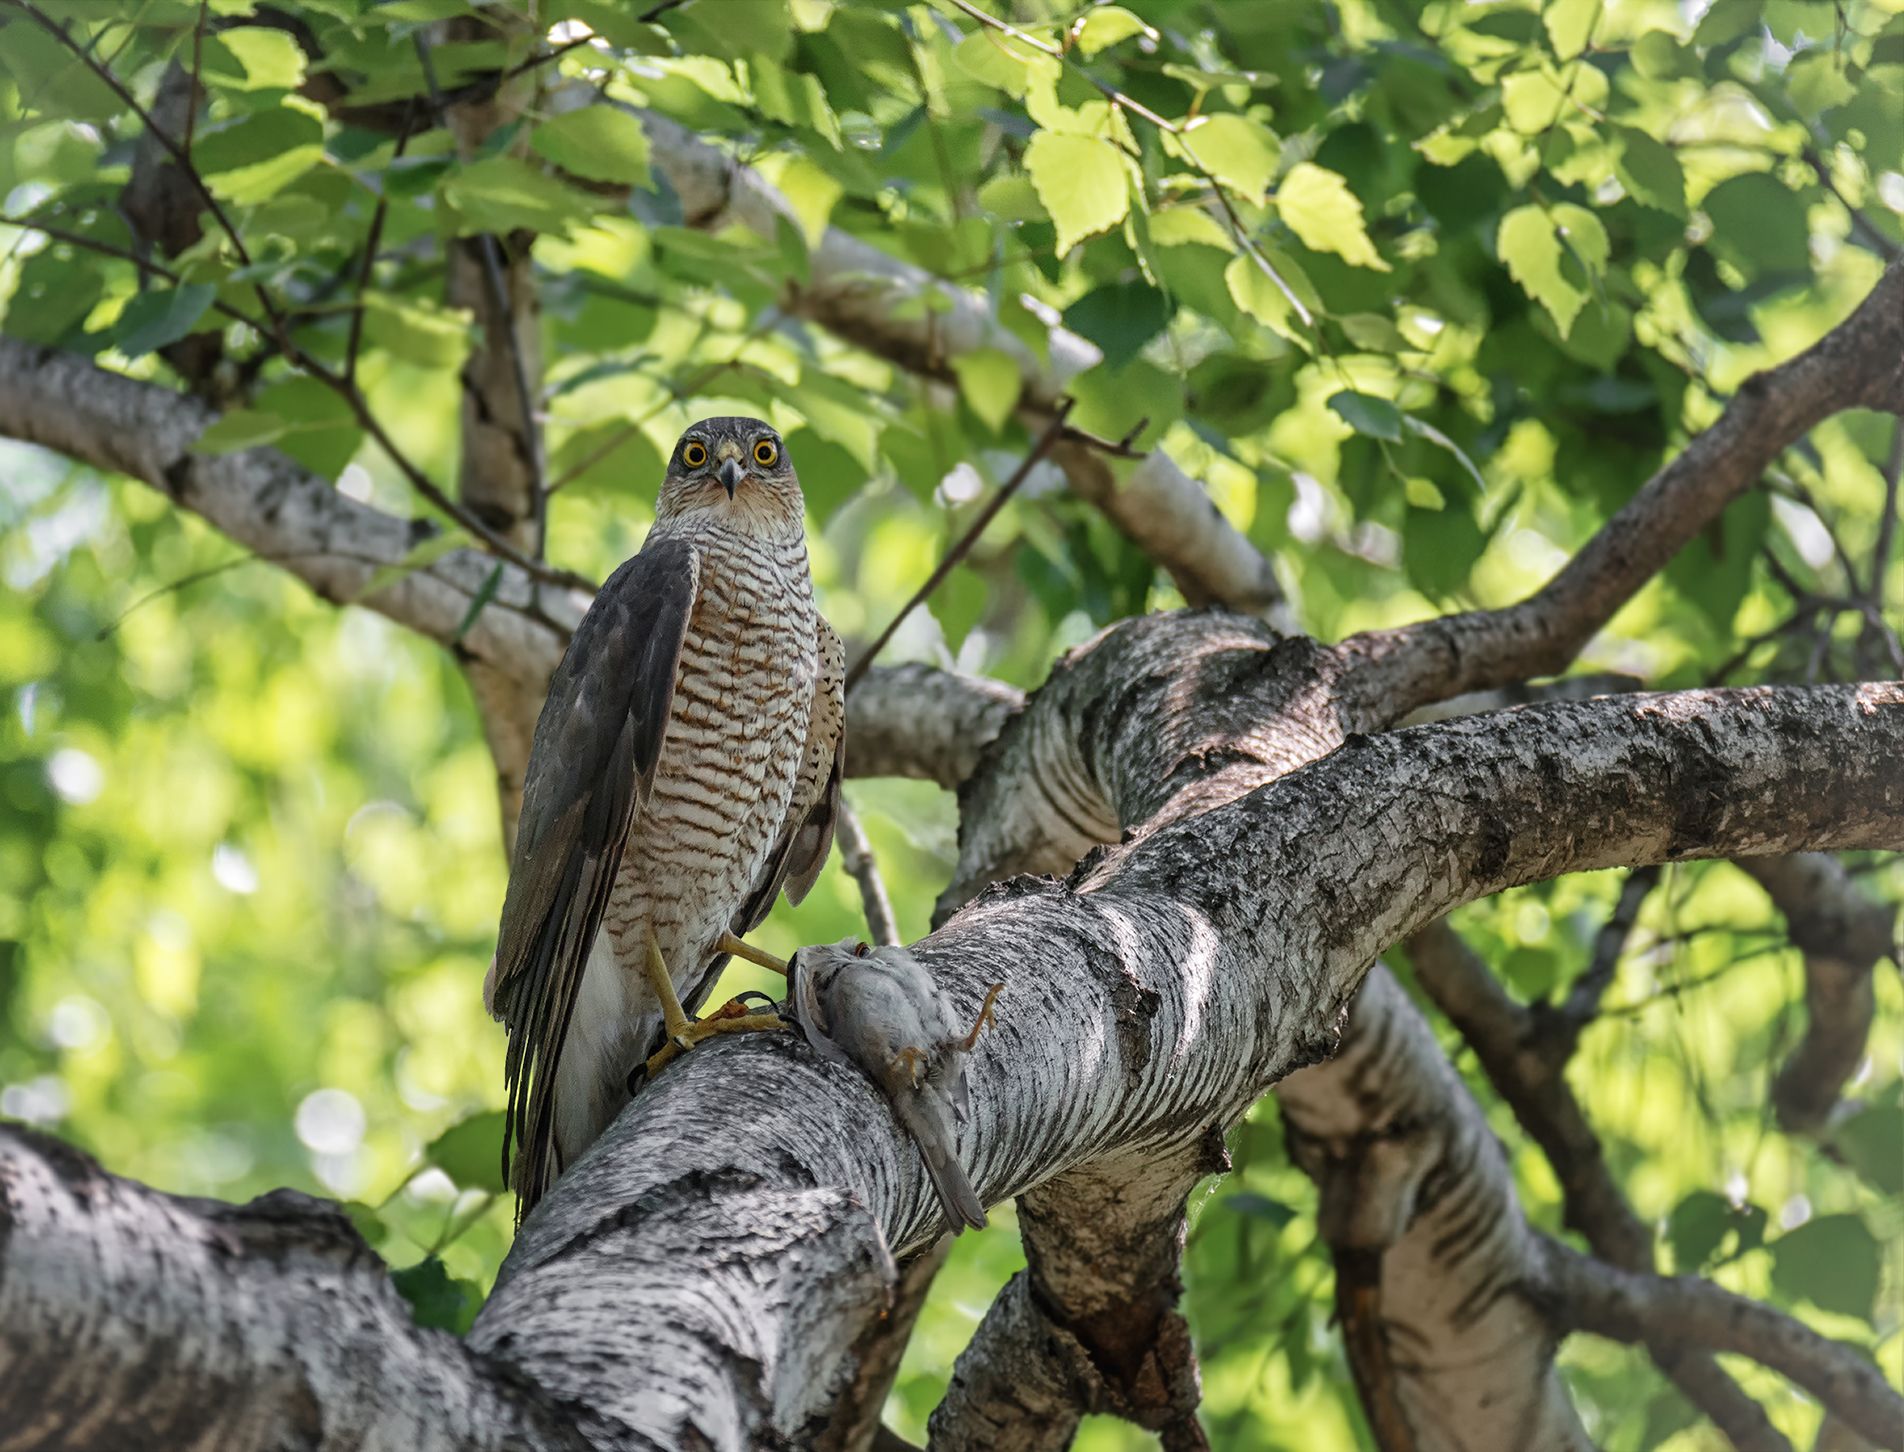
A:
(910, 1063)
(985, 1017)
(719, 1022)
(735, 948)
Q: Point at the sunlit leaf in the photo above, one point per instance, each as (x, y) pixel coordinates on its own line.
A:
(1237, 151)
(990, 382)
(597, 143)
(1082, 183)
(1319, 208)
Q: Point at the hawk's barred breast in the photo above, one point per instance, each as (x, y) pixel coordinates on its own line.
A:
(742, 703)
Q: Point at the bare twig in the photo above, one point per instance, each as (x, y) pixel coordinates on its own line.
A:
(1633, 1306)
(856, 856)
(963, 545)
(372, 240)
(1567, 1019)
(1887, 517)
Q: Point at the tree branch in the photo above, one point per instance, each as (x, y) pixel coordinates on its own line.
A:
(1842, 933)
(1631, 1306)
(1858, 364)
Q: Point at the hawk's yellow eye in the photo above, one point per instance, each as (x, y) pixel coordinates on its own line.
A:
(765, 453)
(694, 455)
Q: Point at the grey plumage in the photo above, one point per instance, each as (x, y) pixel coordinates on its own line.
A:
(685, 769)
(878, 1010)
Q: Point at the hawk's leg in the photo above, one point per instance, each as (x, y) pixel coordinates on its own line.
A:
(684, 1033)
(734, 947)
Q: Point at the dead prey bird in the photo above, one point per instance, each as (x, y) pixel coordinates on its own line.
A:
(878, 1010)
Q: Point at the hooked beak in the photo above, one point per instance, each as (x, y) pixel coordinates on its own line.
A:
(730, 476)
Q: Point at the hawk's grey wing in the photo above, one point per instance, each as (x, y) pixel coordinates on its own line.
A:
(591, 769)
(806, 835)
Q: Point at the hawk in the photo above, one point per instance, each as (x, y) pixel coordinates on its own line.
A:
(685, 769)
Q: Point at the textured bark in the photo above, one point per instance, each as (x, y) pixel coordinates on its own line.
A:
(1519, 1052)
(135, 1319)
(685, 1285)
(1842, 933)
(1432, 1252)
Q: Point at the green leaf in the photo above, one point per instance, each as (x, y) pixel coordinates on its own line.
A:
(1106, 25)
(259, 155)
(793, 98)
(1120, 317)
(1239, 152)
(1271, 300)
(1570, 25)
(469, 1151)
(1714, 571)
(1529, 243)
(417, 330)
(1376, 418)
(242, 428)
(1319, 208)
(1650, 172)
(254, 58)
(436, 1298)
(1006, 64)
(478, 602)
(502, 193)
(1833, 1261)
(1758, 225)
(1181, 226)
(1695, 1229)
(597, 143)
(420, 555)
(160, 316)
(990, 382)
(1872, 1143)
(1082, 183)
(1259, 1207)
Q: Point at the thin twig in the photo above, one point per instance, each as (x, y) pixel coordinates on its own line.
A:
(962, 546)
(1582, 1003)
(856, 856)
(198, 47)
(372, 240)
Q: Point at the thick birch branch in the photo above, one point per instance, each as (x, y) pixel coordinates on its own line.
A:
(688, 1280)
(136, 1319)
(1432, 1250)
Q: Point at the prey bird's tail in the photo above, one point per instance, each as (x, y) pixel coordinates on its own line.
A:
(928, 1118)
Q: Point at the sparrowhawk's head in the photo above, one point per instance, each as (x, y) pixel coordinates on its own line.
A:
(736, 470)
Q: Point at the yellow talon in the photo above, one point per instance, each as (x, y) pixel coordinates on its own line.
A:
(685, 1033)
(734, 947)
